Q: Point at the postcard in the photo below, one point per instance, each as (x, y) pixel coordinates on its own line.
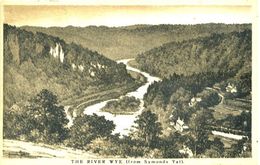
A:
(129, 82)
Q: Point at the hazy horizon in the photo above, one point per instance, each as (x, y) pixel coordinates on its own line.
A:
(124, 26)
(120, 16)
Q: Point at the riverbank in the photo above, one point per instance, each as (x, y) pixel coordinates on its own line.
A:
(124, 122)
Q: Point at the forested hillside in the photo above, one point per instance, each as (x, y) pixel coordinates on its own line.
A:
(216, 53)
(36, 61)
(200, 63)
(128, 41)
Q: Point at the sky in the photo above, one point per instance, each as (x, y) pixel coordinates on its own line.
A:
(57, 15)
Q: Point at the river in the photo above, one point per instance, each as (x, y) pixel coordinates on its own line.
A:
(124, 122)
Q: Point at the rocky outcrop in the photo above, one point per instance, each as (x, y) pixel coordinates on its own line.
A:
(57, 52)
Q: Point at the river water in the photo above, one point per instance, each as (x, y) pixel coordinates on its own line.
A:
(124, 122)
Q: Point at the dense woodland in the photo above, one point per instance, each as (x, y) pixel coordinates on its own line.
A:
(226, 53)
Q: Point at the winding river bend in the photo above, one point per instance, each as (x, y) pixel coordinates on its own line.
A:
(124, 122)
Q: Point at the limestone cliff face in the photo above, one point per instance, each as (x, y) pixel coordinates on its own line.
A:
(57, 52)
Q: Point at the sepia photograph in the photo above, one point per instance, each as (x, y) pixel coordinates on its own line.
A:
(127, 84)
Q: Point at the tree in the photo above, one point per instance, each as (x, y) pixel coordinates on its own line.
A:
(40, 120)
(47, 117)
(243, 122)
(216, 149)
(202, 142)
(104, 146)
(218, 145)
(200, 127)
(170, 145)
(87, 128)
(237, 149)
(209, 98)
(171, 151)
(211, 153)
(148, 128)
(180, 104)
(15, 124)
(181, 96)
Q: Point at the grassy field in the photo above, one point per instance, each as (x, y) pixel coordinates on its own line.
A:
(230, 107)
(222, 111)
(226, 141)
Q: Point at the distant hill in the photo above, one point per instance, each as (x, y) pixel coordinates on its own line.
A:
(128, 41)
(34, 61)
